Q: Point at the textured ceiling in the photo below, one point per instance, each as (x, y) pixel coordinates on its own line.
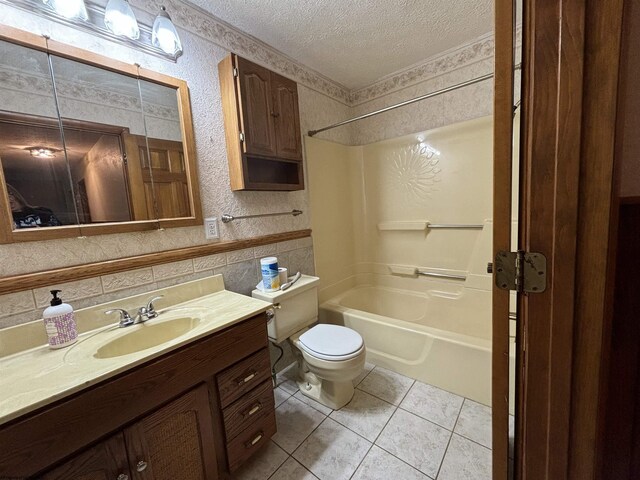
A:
(356, 42)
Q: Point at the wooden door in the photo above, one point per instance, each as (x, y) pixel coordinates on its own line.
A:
(133, 147)
(166, 181)
(256, 109)
(286, 117)
(176, 441)
(570, 75)
(157, 179)
(104, 461)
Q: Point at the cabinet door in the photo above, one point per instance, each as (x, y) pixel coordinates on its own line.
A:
(175, 442)
(256, 117)
(105, 461)
(286, 117)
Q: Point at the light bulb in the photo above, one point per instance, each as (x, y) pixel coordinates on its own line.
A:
(164, 34)
(69, 8)
(120, 19)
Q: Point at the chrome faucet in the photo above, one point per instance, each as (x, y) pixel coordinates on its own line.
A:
(144, 313)
(148, 312)
(125, 318)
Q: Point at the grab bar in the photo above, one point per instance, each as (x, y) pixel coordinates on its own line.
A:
(455, 225)
(441, 275)
(226, 218)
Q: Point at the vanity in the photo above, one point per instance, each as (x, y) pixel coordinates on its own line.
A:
(187, 395)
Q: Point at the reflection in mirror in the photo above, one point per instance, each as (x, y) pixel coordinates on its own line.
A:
(164, 152)
(32, 154)
(101, 111)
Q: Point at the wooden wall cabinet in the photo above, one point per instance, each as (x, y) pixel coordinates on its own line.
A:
(262, 127)
(196, 413)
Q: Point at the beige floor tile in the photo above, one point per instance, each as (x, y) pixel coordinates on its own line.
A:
(465, 460)
(332, 452)
(281, 395)
(292, 470)
(381, 465)
(418, 442)
(387, 385)
(312, 403)
(295, 421)
(261, 465)
(474, 422)
(434, 404)
(364, 414)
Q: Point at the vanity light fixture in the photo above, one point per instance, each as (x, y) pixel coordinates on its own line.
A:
(115, 22)
(120, 19)
(72, 9)
(42, 152)
(164, 34)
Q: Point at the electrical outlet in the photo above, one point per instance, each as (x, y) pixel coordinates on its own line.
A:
(211, 228)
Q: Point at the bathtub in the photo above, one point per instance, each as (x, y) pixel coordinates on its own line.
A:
(439, 336)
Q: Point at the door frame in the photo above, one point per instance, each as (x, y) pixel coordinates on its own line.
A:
(571, 52)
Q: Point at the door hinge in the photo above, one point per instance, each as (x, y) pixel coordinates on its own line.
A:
(235, 72)
(521, 271)
(241, 137)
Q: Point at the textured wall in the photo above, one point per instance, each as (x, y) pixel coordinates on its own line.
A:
(198, 66)
(322, 102)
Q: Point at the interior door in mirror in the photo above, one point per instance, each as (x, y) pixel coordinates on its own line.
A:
(32, 153)
(162, 153)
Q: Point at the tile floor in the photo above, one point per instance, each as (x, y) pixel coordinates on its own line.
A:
(393, 428)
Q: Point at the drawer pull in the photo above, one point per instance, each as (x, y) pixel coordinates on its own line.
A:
(246, 379)
(141, 466)
(252, 410)
(123, 476)
(257, 438)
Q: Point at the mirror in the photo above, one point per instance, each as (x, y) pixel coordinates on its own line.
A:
(89, 145)
(32, 150)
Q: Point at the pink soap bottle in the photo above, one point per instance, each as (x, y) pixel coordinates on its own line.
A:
(60, 323)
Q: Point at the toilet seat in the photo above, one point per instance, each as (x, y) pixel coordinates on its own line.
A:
(331, 342)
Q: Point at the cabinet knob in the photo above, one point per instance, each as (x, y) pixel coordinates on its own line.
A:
(255, 440)
(141, 466)
(253, 409)
(248, 378)
(123, 476)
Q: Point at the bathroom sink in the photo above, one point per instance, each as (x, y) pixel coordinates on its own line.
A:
(147, 335)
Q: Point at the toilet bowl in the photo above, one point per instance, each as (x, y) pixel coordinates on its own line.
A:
(329, 357)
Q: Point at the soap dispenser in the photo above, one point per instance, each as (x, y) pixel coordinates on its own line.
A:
(59, 322)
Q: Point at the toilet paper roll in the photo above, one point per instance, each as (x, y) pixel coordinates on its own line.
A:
(282, 273)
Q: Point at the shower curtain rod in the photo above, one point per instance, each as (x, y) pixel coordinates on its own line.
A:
(311, 133)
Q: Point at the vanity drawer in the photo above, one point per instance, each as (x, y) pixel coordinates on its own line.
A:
(250, 440)
(245, 375)
(246, 411)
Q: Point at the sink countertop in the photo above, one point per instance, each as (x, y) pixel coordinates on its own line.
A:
(37, 376)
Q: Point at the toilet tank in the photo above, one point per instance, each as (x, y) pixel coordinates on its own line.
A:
(294, 308)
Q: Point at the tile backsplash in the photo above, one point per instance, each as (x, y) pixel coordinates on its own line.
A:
(239, 268)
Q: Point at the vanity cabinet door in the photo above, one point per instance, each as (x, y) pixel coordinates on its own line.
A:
(256, 109)
(175, 442)
(105, 461)
(286, 117)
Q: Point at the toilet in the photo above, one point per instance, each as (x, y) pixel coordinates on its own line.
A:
(329, 357)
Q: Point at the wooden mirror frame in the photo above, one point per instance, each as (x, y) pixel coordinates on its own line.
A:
(40, 43)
